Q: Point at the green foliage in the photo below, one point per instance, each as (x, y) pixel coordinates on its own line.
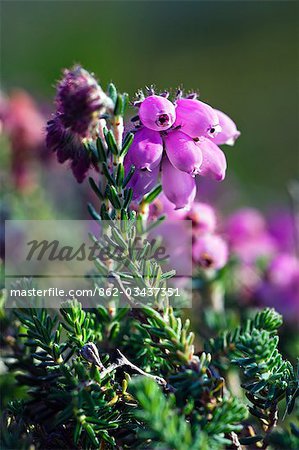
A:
(268, 378)
(81, 326)
(87, 401)
(164, 426)
(224, 345)
(266, 374)
(64, 390)
(167, 426)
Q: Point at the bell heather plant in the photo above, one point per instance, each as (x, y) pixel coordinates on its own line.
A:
(134, 375)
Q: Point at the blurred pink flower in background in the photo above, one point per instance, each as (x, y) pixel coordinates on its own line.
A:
(249, 237)
(176, 234)
(210, 251)
(245, 223)
(163, 206)
(283, 227)
(23, 123)
(280, 287)
(267, 271)
(203, 218)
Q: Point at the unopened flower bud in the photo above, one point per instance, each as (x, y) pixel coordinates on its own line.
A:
(142, 181)
(90, 352)
(68, 146)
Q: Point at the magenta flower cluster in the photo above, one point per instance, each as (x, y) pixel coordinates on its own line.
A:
(178, 139)
(182, 139)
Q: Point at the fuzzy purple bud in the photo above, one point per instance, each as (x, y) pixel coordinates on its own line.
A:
(157, 113)
(61, 141)
(81, 164)
(214, 161)
(79, 98)
(196, 118)
(229, 132)
(210, 251)
(179, 187)
(68, 146)
(183, 153)
(146, 149)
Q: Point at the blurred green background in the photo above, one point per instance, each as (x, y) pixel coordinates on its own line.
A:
(241, 56)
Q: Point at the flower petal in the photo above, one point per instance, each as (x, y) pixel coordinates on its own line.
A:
(142, 181)
(214, 161)
(157, 113)
(179, 187)
(196, 118)
(146, 149)
(183, 153)
(229, 132)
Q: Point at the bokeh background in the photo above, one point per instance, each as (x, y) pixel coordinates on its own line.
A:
(241, 56)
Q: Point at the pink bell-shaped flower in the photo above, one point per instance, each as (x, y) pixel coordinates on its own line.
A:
(196, 118)
(179, 187)
(142, 181)
(157, 113)
(229, 132)
(183, 153)
(214, 161)
(162, 205)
